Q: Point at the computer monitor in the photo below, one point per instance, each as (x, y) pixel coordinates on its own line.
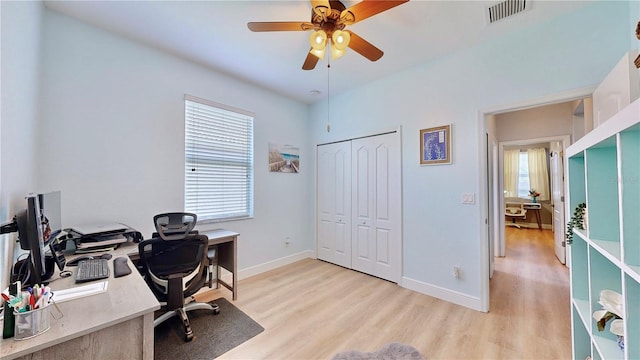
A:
(36, 226)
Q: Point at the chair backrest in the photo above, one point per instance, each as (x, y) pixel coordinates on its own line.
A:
(515, 209)
(175, 251)
(174, 226)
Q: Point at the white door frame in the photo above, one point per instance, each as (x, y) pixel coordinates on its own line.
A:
(566, 141)
(486, 219)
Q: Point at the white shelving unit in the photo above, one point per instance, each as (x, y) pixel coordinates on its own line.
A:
(604, 173)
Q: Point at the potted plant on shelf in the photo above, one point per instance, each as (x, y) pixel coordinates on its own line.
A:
(612, 309)
(577, 221)
(534, 195)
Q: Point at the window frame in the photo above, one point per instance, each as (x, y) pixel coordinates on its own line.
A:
(226, 162)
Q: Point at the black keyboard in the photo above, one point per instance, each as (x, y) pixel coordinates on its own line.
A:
(92, 269)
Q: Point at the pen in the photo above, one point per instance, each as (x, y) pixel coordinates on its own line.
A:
(38, 303)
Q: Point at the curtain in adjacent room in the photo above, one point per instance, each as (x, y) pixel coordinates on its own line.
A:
(538, 172)
(511, 169)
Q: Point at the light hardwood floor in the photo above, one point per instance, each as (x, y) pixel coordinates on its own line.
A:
(312, 310)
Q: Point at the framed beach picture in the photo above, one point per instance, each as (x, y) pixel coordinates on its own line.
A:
(435, 145)
(284, 158)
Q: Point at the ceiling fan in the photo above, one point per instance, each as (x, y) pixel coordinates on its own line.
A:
(328, 21)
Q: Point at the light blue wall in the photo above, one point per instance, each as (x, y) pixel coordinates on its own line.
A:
(21, 38)
(567, 53)
(112, 130)
(634, 17)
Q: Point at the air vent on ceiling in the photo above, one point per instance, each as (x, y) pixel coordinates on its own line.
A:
(505, 9)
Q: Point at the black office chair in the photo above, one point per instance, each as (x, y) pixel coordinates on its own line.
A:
(175, 263)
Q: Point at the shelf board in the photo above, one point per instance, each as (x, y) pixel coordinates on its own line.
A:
(581, 233)
(608, 249)
(607, 348)
(633, 271)
(583, 309)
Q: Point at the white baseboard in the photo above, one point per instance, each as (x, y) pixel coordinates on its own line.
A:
(455, 297)
(270, 265)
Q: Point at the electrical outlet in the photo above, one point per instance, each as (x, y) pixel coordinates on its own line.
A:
(456, 272)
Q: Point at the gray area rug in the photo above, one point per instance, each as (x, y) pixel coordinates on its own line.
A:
(393, 351)
(214, 335)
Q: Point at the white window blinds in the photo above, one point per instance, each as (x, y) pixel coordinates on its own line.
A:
(218, 161)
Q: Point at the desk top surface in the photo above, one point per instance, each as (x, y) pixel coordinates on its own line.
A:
(126, 298)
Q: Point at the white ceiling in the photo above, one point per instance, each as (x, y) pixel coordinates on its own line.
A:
(214, 33)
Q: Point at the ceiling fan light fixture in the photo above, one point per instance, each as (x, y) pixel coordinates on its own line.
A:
(336, 53)
(318, 40)
(319, 53)
(341, 39)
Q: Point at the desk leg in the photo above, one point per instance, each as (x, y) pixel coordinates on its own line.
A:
(228, 259)
(235, 268)
(538, 218)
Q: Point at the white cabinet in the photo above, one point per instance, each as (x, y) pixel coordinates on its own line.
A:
(358, 205)
(619, 89)
(604, 173)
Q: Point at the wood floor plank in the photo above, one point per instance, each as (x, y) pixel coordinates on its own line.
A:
(312, 310)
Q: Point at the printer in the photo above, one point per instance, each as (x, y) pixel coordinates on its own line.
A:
(100, 237)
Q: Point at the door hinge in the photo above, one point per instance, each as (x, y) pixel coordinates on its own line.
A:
(564, 244)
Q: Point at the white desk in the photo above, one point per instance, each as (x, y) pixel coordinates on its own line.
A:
(535, 207)
(116, 324)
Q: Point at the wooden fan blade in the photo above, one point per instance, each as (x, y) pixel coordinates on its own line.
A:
(278, 26)
(310, 62)
(368, 8)
(321, 7)
(364, 48)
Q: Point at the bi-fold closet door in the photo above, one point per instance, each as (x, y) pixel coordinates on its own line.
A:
(359, 212)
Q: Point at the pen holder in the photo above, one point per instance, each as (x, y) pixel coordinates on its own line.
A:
(32, 323)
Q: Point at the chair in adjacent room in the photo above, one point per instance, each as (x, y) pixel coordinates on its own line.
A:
(176, 265)
(515, 211)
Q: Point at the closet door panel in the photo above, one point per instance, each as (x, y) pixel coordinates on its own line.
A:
(382, 247)
(387, 199)
(326, 236)
(334, 203)
(363, 235)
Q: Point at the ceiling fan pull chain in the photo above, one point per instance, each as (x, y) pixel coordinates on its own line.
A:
(328, 96)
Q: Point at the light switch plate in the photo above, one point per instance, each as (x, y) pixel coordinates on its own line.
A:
(468, 198)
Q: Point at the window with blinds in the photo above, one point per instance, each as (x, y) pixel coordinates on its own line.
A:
(218, 161)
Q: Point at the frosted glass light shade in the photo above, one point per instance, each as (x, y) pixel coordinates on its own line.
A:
(318, 40)
(341, 39)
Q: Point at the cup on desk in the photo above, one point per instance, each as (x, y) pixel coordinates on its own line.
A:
(32, 323)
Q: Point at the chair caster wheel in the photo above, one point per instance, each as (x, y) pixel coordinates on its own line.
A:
(189, 337)
(216, 311)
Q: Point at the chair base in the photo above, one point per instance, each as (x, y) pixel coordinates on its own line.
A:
(182, 313)
(514, 225)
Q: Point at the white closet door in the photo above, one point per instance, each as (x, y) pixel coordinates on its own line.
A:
(334, 203)
(376, 239)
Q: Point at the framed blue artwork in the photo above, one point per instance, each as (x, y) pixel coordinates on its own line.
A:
(435, 145)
